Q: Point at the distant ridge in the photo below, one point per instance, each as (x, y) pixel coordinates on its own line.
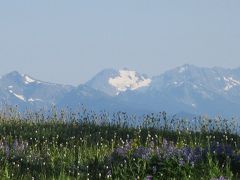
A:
(187, 89)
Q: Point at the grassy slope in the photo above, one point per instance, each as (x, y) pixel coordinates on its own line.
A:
(81, 149)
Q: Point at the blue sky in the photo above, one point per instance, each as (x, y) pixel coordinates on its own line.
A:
(70, 41)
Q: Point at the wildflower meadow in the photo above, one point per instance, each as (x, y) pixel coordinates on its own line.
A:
(89, 145)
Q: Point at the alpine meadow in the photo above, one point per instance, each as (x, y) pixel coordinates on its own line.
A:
(120, 90)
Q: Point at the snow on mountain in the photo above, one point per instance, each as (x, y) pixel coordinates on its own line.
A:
(182, 69)
(21, 97)
(197, 90)
(230, 83)
(128, 80)
(28, 80)
(25, 91)
(187, 89)
(32, 100)
(113, 82)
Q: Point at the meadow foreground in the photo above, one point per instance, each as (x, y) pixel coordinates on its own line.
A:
(95, 146)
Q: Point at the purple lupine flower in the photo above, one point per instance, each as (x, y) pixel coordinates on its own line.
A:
(220, 149)
(183, 155)
(220, 178)
(168, 150)
(149, 178)
(237, 158)
(19, 147)
(123, 151)
(120, 151)
(165, 142)
(191, 155)
(142, 152)
(228, 150)
(198, 153)
(15, 144)
(186, 153)
(7, 150)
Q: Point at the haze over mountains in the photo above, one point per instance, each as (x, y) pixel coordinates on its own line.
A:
(184, 90)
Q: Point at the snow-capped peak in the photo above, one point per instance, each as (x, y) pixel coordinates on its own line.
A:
(128, 80)
(28, 80)
(15, 76)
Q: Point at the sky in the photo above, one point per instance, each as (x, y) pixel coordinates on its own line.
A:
(70, 41)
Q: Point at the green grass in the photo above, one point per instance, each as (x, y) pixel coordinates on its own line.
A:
(82, 147)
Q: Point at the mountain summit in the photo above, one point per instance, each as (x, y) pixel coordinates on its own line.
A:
(113, 82)
(25, 91)
(186, 89)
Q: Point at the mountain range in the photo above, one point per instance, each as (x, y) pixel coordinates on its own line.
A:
(187, 89)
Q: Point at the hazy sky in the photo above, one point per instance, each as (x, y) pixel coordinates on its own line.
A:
(70, 41)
